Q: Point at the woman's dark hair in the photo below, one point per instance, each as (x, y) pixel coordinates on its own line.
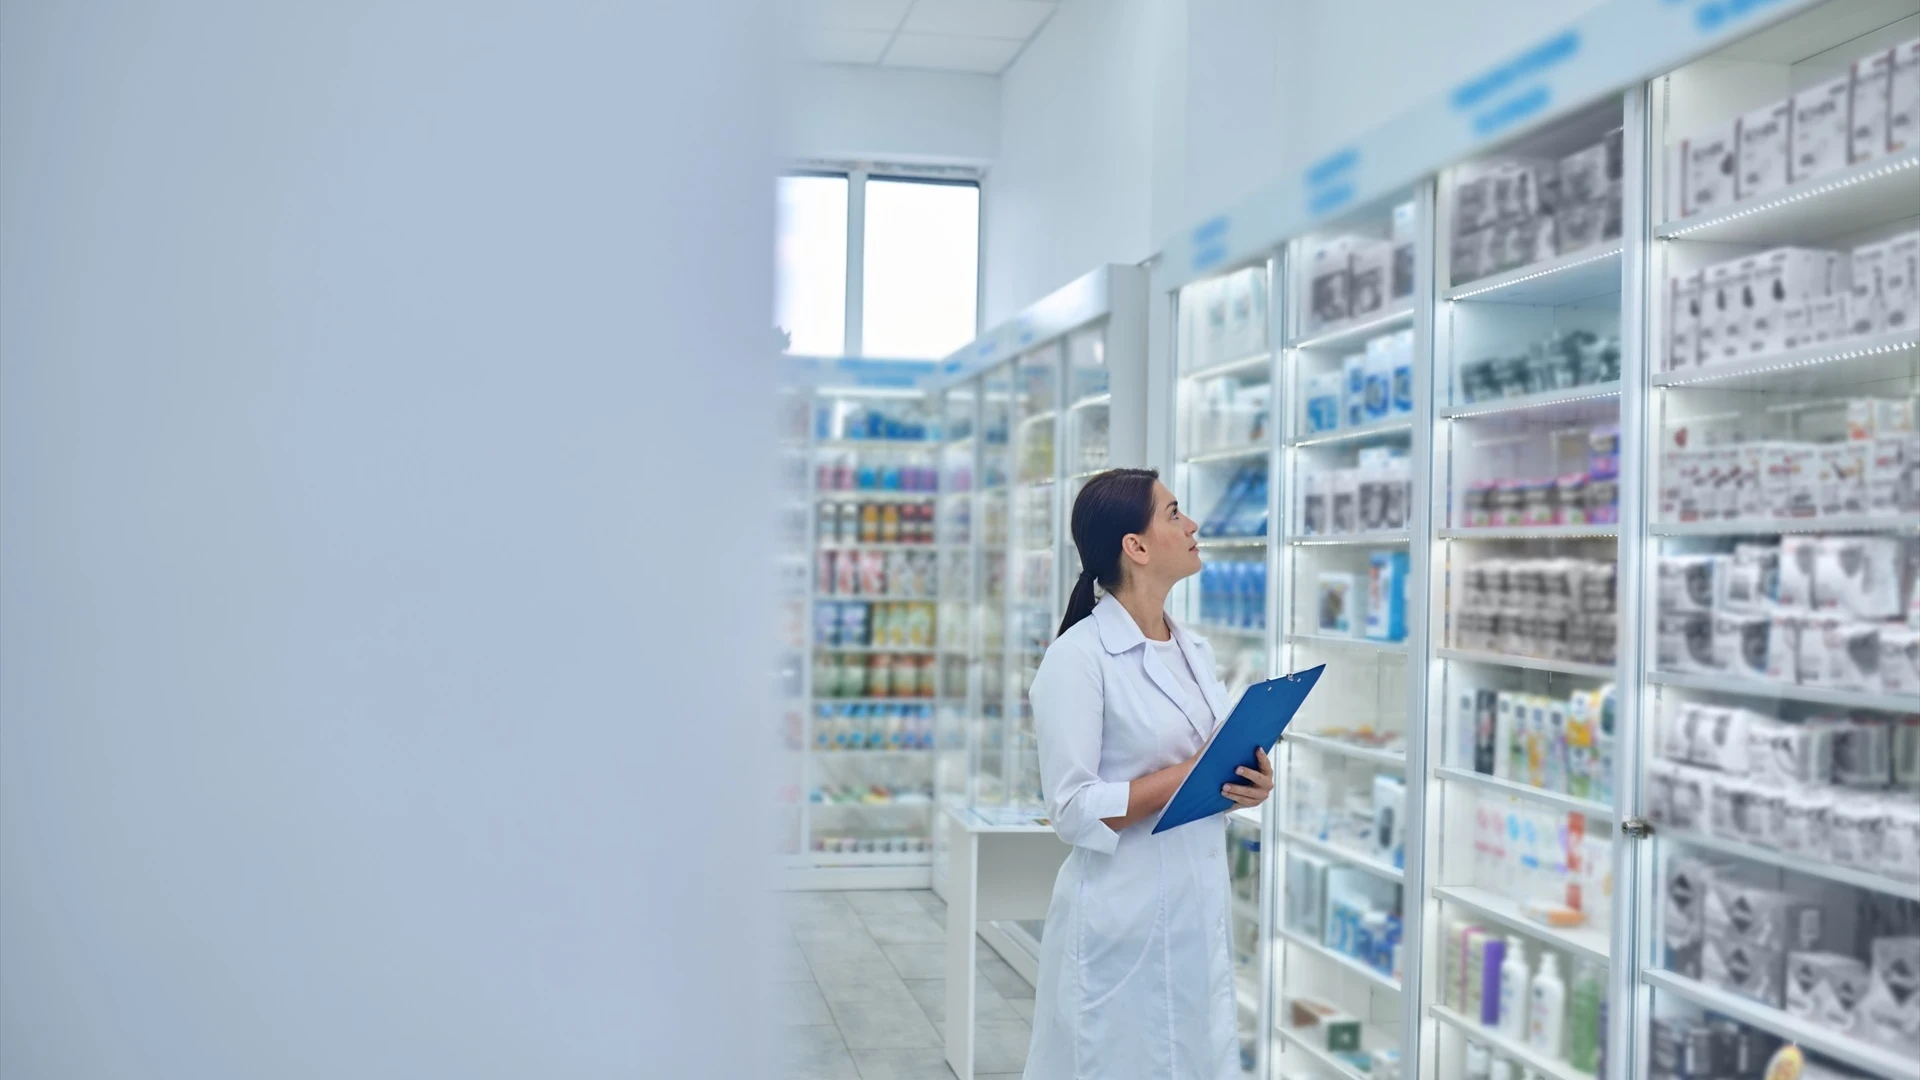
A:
(1113, 504)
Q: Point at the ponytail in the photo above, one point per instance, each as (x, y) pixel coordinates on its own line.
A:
(1111, 506)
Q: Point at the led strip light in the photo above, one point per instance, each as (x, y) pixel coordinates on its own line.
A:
(1529, 402)
(1824, 358)
(1611, 253)
(1355, 434)
(1401, 315)
(1798, 196)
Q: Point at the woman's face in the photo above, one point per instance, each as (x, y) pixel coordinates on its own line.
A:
(1166, 550)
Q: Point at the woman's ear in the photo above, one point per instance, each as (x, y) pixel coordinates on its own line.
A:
(1134, 548)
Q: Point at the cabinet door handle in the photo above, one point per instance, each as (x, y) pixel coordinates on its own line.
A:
(1637, 827)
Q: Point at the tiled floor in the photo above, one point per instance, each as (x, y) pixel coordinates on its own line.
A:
(863, 980)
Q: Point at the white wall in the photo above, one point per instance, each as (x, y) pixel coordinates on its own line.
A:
(847, 112)
(1206, 102)
(384, 672)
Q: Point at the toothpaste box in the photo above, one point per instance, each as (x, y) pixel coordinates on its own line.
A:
(1710, 160)
(1872, 85)
(1765, 150)
(1820, 127)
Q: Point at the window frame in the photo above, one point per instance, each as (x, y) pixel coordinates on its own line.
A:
(857, 174)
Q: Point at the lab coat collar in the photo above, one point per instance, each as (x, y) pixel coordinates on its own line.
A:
(1119, 633)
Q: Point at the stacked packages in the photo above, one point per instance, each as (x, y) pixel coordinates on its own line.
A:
(1589, 497)
(1554, 609)
(1369, 388)
(1509, 213)
(1839, 612)
(1792, 298)
(1875, 470)
(1831, 789)
(1563, 360)
(1560, 745)
(1352, 278)
(1374, 496)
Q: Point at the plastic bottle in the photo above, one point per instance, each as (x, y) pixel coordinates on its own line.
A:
(1515, 988)
(1547, 1021)
(1583, 1019)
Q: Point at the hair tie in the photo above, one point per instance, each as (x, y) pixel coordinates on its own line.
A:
(1087, 575)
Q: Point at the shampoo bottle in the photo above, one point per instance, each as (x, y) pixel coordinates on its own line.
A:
(1514, 988)
(1548, 1019)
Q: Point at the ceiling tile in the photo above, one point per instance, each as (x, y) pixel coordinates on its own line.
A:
(988, 56)
(1012, 19)
(844, 46)
(854, 14)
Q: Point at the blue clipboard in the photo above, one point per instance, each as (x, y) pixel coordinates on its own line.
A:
(1257, 721)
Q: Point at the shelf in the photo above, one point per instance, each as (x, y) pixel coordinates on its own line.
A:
(875, 650)
(910, 858)
(1582, 941)
(1207, 629)
(1325, 1059)
(1352, 333)
(871, 751)
(1230, 367)
(1356, 859)
(1361, 539)
(1532, 532)
(825, 699)
(1035, 418)
(875, 495)
(1529, 663)
(1525, 791)
(1567, 279)
(1334, 641)
(1214, 457)
(875, 444)
(1091, 401)
(1872, 358)
(877, 545)
(1862, 1055)
(915, 803)
(1326, 744)
(1295, 937)
(1845, 202)
(1536, 1063)
(1232, 541)
(1846, 523)
(1379, 429)
(1860, 879)
(1765, 690)
(1548, 402)
(838, 598)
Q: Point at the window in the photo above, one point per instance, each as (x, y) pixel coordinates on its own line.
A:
(921, 268)
(905, 286)
(810, 264)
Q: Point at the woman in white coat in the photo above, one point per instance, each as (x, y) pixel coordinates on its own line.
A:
(1136, 968)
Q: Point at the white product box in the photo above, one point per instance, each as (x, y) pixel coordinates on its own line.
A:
(1866, 296)
(1783, 648)
(1710, 160)
(1378, 386)
(1740, 644)
(1339, 604)
(1323, 402)
(1867, 130)
(1903, 99)
(1900, 281)
(1372, 276)
(1765, 149)
(1784, 280)
(1403, 238)
(1820, 126)
(1683, 321)
(1886, 462)
(1719, 296)
(1853, 655)
(1824, 988)
(1843, 476)
(1737, 293)
(1890, 1013)
(1353, 390)
(1330, 279)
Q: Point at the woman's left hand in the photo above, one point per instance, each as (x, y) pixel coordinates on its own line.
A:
(1259, 784)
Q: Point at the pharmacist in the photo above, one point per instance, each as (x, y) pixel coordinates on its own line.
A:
(1136, 969)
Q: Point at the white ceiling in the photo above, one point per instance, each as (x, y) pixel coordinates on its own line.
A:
(946, 35)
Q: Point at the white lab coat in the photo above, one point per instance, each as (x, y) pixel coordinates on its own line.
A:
(1136, 969)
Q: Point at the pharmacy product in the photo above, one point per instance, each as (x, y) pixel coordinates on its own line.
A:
(1765, 148)
(1820, 128)
(1547, 1016)
(1323, 401)
(1710, 161)
(1903, 99)
(1683, 321)
(1338, 602)
(1872, 87)
(1516, 990)
(1890, 1012)
(1826, 988)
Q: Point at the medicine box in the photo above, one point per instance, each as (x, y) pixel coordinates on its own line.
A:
(1378, 386)
(1764, 150)
(1710, 160)
(1387, 596)
(1371, 270)
(1330, 277)
(1820, 128)
(1903, 99)
(1872, 83)
(1323, 391)
(1866, 296)
(1354, 390)
(1683, 321)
